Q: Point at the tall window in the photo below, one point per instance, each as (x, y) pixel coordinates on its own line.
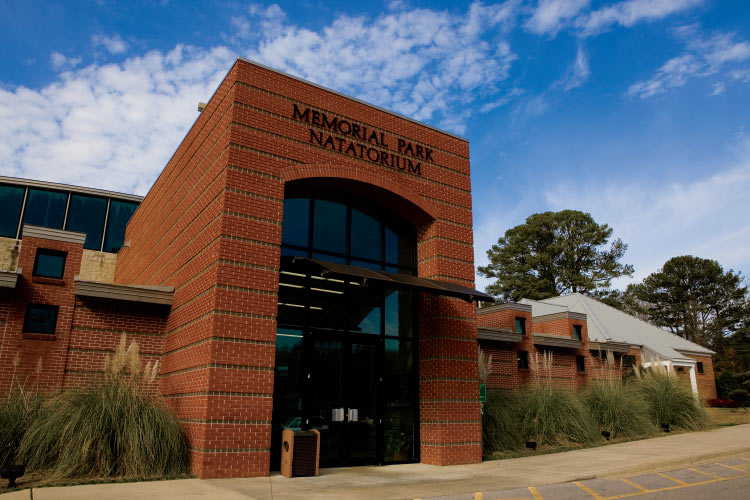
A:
(119, 215)
(577, 332)
(521, 326)
(86, 214)
(580, 364)
(523, 360)
(45, 208)
(339, 229)
(700, 366)
(11, 200)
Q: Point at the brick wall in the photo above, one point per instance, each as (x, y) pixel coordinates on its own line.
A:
(211, 227)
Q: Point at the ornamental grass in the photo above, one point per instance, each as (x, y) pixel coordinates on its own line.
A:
(113, 429)
(669, 401)
(618, 408)
(500, 423)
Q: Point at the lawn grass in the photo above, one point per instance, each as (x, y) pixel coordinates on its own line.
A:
(722, 417)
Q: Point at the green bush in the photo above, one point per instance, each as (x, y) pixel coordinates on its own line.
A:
(16, 412)
(741, 396)
(618, 408)
(500, 423)
(669, 401)
(554, 416)
(112, 429)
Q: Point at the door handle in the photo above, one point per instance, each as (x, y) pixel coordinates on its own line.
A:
(353, 415)
(337, 415)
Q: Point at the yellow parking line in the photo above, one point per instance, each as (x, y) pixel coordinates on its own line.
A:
(588, 490)
(704, 473)
(678, 481)
(730, 467)
(633, 484)
(535, 493)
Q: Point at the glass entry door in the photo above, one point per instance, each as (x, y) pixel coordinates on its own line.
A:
(343, 397)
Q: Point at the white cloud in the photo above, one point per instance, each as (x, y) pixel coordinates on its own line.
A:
(423, 63)
(718, 88)
(114, 44)
(579, 71)
(630, 12)
(702, 217)
(550, 16)
(60, 62)
(704, 57)
(115, 125)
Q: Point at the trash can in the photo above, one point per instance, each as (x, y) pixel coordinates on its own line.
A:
(300, 453)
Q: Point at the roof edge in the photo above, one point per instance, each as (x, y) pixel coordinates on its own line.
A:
(341, 94)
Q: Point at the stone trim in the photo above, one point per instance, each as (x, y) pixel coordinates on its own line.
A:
(512, 306)
(551, 340)
(53, 234)
(150, 294)
(8, 279)
(498, 334)
(561, 315)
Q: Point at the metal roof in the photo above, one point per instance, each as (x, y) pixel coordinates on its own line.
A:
(605, 323)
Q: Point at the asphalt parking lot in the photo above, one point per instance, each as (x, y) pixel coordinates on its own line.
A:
(727, 479)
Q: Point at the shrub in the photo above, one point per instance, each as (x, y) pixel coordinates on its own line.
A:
(554, 416)
(500, 423)
(722, 403)
(669, 401)
(741, 396)
(16, 412)
(112, 429)
(618, 408)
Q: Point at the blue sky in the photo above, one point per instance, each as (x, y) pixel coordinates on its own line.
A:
(636, 111)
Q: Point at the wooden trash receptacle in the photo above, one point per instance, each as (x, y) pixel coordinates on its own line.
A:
(300, 453)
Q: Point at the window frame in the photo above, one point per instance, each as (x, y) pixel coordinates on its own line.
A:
(699, 368)
(525, 359)
(580, 364)
(50, 252)
(31, 305)
(520, 320)
(578, 332)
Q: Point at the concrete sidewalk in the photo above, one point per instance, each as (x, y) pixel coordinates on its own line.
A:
(418, 480)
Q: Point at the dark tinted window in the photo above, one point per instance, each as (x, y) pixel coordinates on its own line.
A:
(399, 248)
(329, 226)
(119, 215)
(86, 215)
(45, 208)
(49, 263)
(580, 364)
(40, 319)
(577, 332)
(700, 367)
(398, 313)
(366, 236)
(523, 360)
(521, 325)
(11, 200)
(296, 226)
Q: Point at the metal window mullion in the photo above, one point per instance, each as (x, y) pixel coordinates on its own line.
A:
(65, 217)
(106, 220)
(23, 212)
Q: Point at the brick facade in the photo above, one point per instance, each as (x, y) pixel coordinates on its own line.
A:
(211, 227)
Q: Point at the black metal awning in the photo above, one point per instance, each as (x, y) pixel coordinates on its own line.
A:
(391, 279)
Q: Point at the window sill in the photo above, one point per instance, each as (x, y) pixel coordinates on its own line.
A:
(39, 336)
(48, 281)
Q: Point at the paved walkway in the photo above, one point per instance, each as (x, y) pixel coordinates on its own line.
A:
(424, 481)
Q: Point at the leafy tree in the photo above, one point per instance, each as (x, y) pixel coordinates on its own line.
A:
(554, 253)
(695, 299)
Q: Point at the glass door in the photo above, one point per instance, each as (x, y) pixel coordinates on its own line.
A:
(343, 400)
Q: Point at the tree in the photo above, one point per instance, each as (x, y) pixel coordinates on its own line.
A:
(695, 299)
(554, 253)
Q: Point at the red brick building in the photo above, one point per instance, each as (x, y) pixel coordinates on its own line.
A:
(304, 260)
(573, 339)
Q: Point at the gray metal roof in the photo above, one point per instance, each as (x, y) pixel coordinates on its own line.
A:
(605, 323)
